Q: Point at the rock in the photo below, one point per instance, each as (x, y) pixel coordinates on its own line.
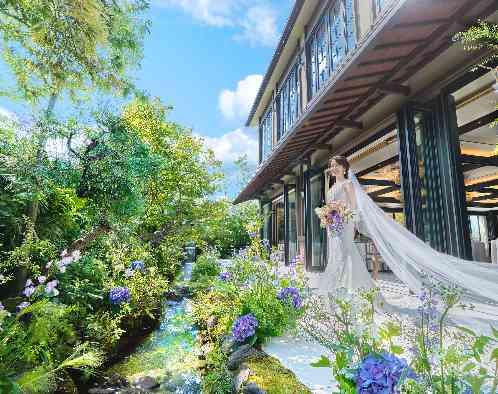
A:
(100, 390)
(174, 383)
(211, 322)
(116, 380)
(241, 377)
(146, 383)
(253, 388)
(229, 344)
(243, 353)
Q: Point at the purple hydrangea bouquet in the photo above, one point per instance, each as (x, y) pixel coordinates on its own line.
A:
(334, 216)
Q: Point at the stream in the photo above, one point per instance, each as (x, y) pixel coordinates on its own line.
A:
(169, 354)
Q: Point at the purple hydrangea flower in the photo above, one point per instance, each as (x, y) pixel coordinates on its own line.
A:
(50, 287)
(22, 305)
(137, 265)
(244, 327)
(29, 282)
(119, 295)
(290, 295)
(225, 276)
(253, 234)
(1, 307)
(41, 279)
(381, 373)
(28, 291)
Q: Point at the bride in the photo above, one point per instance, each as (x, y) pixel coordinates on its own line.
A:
(406, 255)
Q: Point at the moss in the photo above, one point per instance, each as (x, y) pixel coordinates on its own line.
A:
(271, 376)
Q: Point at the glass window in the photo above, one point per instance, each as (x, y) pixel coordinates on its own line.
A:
(267, 134)
(267, 221)
(478, 134)
(333, 38)
(289, 101)
(292, 225)
(318, 234)
(419, 132)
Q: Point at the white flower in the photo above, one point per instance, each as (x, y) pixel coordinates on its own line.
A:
(42, 279)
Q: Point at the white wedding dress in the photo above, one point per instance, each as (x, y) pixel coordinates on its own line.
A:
(410, 259)
(345, 268)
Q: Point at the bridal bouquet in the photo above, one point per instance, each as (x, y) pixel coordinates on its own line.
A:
(334, 216)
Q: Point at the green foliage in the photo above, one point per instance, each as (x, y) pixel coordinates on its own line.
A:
(71, 45)
(218, 379)
(205, 267)
(483, 35)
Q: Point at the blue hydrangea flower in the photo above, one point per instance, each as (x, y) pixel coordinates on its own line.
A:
(225, 276)
(244, 327)
(119, 295)
(290, 295)
(137, 265)
(381, 373)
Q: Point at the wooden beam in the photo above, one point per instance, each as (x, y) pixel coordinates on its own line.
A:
(369, 75)
(475, 124)
(399, 44)
(395, 88)
(428, 22)
(480, 160)
(381, 61)
(349, 123)
(378, 182)
(480, 186)
(388, 189)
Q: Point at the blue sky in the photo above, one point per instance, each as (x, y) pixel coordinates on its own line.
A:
(207, 58)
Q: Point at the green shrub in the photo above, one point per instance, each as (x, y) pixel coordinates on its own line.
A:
(41, 333)
(206, 266)
(218, 379)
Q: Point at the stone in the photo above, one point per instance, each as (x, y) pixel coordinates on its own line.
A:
(243, 353)
(177, 381)
(146, 383)
(116, 380)
(229, 344)
(241, 377)
(100, 390)
(253, 388)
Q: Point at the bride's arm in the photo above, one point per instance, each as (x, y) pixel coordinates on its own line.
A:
(351, 195)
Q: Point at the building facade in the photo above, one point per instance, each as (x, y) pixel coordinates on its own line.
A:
(383, 83)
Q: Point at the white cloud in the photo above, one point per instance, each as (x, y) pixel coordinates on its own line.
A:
(256, 20)
(230, 146)
(212, 12)
(236, 104)
(5, 114)
(259, 26)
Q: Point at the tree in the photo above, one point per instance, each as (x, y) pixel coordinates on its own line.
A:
(483, 37)
(69, 46)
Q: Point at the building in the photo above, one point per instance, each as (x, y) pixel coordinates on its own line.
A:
(383, 83)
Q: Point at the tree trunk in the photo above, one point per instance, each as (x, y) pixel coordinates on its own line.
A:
(102, 228)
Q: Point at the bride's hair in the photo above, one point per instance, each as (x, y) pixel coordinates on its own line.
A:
(343, 162)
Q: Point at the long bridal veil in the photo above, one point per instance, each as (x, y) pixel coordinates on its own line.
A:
(410, 258)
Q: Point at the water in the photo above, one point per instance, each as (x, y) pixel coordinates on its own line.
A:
(169, 353)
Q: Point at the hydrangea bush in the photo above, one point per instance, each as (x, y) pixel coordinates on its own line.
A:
(260, 290)
(369, 357)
